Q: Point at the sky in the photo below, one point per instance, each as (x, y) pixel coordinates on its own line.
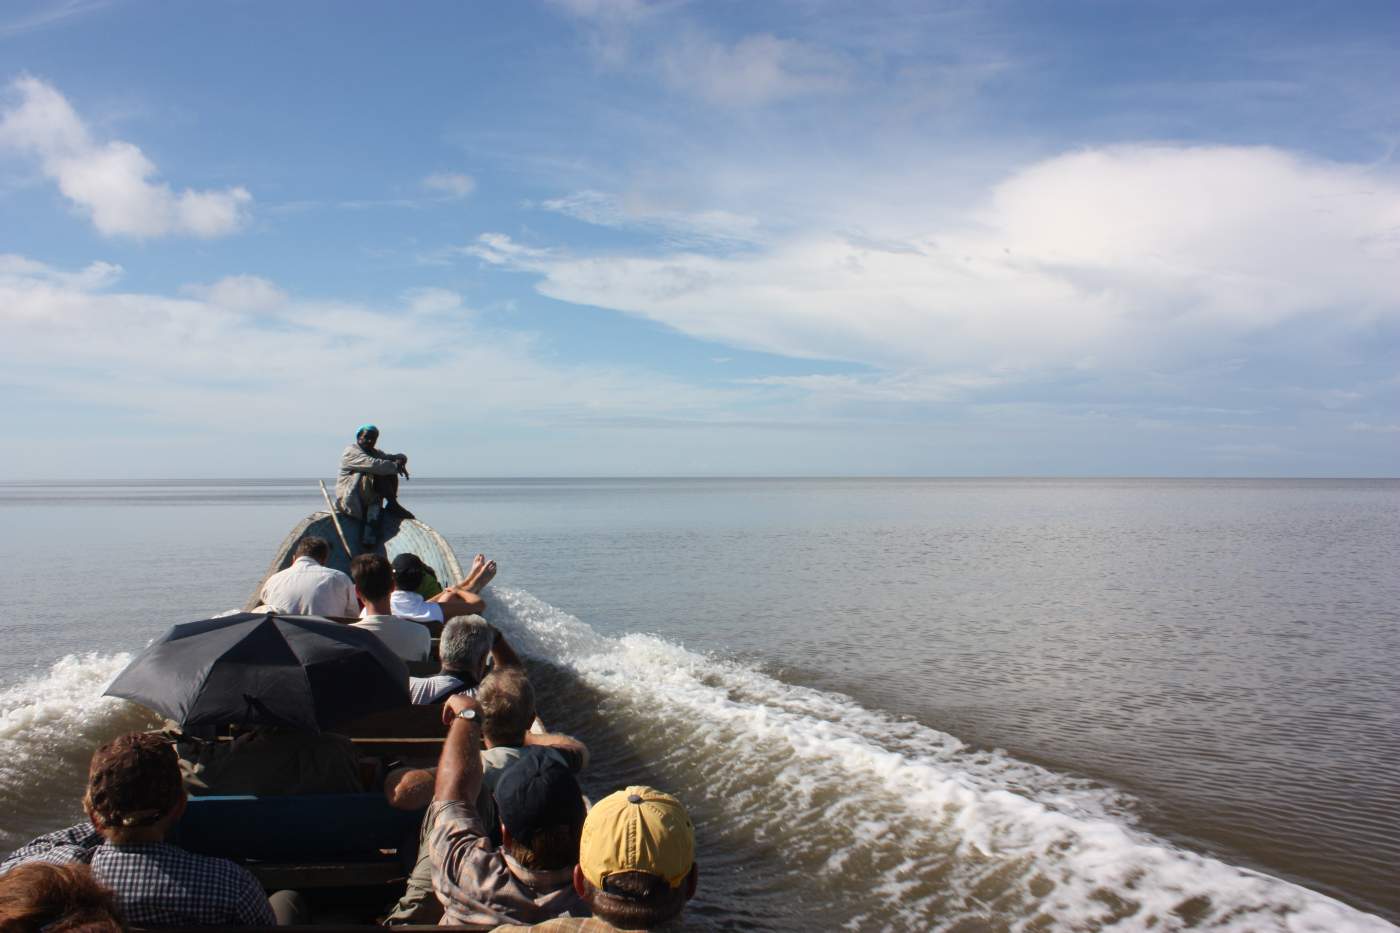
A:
(617, 237)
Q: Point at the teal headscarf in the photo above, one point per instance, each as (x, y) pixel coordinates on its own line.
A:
(364, 429)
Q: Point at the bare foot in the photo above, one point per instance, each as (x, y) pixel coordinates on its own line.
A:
(478, 562)
(478, 583)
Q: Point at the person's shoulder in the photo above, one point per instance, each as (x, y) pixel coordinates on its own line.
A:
(565, 756)
(456, 820)
(500, 757)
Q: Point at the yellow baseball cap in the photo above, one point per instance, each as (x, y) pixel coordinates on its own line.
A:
(637, 829)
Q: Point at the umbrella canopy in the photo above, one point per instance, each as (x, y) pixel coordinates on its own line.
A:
(257, 669)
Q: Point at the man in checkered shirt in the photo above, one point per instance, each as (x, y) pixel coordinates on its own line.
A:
(134, 797)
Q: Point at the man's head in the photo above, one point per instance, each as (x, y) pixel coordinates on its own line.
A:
(374, 580)
(541, 808)
(636, 862)
(134, 787)
(507, 706)
(367, 435)
(318, 549)
(465, 645)
(408, 572)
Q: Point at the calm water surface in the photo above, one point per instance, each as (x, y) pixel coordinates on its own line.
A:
(908, 704)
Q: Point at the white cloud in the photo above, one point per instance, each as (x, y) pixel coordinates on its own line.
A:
(638, 212)
(49, 13)
(451, 184)
(95, 276)
(500, 250)
(432, 300)
(596, 9)
(204, 359)
(916, 387)
(111, 181)
(248, 293)
(755, 71)
(1100, 259)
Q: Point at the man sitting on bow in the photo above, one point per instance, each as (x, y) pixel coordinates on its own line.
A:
(369, 477)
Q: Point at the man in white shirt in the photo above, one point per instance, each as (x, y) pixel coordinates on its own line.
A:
(308, 587)
(463, 599)
(374, 581)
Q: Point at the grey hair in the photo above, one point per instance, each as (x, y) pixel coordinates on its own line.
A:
(466, 640)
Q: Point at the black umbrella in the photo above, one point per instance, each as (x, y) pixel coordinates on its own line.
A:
(264, 669)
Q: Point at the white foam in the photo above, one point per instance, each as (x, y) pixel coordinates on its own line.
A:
(940, 833)
(55, 718)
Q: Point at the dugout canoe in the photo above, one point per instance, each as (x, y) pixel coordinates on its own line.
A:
(400, 536)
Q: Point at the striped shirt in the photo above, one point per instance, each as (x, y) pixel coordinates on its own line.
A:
(423, 691)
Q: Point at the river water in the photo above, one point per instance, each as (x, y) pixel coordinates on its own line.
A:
(889, 704)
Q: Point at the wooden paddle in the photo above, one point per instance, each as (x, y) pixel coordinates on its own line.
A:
(335, 521)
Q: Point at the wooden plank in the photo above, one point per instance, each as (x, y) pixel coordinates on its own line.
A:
(276, 876)
(408, 752)
(405, 722)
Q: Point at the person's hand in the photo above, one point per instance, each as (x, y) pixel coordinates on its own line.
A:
(456, 704)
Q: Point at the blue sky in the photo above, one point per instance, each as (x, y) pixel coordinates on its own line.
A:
(590, 237)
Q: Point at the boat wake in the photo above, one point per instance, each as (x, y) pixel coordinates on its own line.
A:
(878, 822)
(49, 726)
(888, 823)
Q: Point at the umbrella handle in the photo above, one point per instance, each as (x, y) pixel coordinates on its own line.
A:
(335, 521)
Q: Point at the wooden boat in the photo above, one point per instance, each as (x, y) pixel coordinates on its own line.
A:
(349, 852)
(399, 536)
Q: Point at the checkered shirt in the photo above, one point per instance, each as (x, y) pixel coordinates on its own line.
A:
(158, 885)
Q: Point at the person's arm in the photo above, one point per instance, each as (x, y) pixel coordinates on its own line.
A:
(357, 461)
(459, 768)
(251, 907)
(570, 746)
(502, 652)
(74, 844)
(409, 788)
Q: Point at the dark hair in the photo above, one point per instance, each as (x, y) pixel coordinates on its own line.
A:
(133, 781)
(372, 575)
(507, 706)
(549, 848)
(636, 900)
(318, 549)
(56, 899)
(408, 572)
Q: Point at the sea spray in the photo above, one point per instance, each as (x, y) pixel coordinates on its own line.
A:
(891, 823)
(49, 726)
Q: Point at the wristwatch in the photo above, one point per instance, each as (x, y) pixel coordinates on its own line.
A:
(469, 713)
